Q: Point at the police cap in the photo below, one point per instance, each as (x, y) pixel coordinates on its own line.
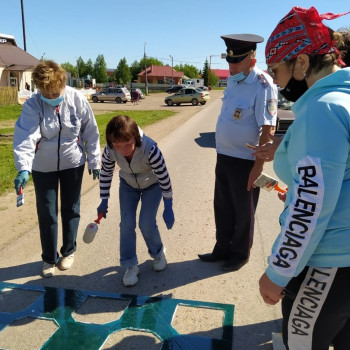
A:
(240, 45)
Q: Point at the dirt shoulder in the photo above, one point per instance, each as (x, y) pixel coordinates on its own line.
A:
(15, 222)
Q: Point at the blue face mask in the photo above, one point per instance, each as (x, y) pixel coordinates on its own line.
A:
(238, 77)
(53, 102)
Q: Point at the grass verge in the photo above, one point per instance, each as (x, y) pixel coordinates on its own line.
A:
(9, 115)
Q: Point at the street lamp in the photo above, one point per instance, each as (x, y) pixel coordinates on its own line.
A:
(172, 70)
(144, 55)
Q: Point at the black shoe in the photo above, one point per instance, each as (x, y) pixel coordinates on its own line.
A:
(231, 266)
(210, 257)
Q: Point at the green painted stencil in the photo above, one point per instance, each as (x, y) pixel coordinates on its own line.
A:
(144, 314)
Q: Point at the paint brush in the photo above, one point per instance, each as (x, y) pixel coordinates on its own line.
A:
(92, 229)
(268, 183)
(20, 197)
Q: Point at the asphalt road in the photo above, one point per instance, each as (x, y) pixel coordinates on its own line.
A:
(190, 155)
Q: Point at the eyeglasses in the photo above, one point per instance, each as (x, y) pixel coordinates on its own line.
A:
(272, 70)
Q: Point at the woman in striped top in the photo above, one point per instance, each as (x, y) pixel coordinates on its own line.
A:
(143, 177)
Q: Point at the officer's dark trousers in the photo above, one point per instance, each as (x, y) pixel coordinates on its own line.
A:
(234, 208)
(46, 190)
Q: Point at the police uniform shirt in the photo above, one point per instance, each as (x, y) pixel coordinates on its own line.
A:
(247, 106)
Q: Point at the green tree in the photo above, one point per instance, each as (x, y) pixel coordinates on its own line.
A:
(112, 77)
(149, 62)
(100, 69)
(135, 69)
(68, 67)
(89, 68)
(189, 70)
(205, 71)
(123, 73)
(214, 79)
(81, 68)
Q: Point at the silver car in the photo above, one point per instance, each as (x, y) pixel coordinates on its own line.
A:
(117, 94)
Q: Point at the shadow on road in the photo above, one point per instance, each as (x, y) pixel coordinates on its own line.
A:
(110, 278)
(206, 139)
(256, 336)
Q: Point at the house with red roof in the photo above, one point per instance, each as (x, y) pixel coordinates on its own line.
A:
(161, 75)
(222, 74)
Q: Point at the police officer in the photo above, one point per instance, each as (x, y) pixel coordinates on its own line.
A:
(248, 115)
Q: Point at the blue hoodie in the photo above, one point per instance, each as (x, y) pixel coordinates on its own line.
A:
(313, 160)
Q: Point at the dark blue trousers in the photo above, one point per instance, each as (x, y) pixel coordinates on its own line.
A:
(234, 208)
(46, 190)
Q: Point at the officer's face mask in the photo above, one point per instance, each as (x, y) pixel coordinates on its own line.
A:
(294, 88)
(238, 77)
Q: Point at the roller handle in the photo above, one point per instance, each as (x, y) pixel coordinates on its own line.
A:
(100, 216)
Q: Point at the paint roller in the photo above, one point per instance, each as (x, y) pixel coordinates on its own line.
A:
(92, 229)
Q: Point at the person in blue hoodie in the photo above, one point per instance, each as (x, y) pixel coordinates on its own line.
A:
(309, 267)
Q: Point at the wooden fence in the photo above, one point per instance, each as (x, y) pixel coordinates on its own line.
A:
(8, 95)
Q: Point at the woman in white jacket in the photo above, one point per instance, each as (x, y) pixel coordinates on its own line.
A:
(54, 136)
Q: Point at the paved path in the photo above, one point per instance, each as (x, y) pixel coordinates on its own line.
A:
(190, 155)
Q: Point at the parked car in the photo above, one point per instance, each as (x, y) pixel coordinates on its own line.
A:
(174, 89)
(117, 94)
(188, 95)
(285, 116)
(139, 91)
(283, 103)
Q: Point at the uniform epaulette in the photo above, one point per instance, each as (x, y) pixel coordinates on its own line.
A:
(263, 81)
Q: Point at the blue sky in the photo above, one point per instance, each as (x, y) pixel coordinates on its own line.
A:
(189, 30)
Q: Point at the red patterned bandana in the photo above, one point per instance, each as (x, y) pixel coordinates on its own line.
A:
(300, 31)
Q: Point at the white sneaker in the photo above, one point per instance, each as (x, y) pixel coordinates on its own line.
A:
(48, 270)
(66, 262)
(159, 264)
(130, 277)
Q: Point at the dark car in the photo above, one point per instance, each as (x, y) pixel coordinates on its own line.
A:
(283, 103)
(285, 118)
(174, 89)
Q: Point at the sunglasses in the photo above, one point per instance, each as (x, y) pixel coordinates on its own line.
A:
(272, 70)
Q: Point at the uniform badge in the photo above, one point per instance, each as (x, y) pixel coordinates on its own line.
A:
(272, 107)
(237, 114)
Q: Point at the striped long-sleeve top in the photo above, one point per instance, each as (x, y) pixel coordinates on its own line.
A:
(146, 168)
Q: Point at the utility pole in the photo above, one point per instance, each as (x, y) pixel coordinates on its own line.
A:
(172, 69)
(24, 29)
(210, 69)
(144, 55)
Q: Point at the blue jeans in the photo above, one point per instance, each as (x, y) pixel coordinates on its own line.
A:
(129, 198)
(46, 191)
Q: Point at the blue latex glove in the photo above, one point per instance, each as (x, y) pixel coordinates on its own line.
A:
(95, 173)
(168, 214)
(102, 208)
(21, 180)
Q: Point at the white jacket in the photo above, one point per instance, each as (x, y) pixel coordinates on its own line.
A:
(48, 139)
